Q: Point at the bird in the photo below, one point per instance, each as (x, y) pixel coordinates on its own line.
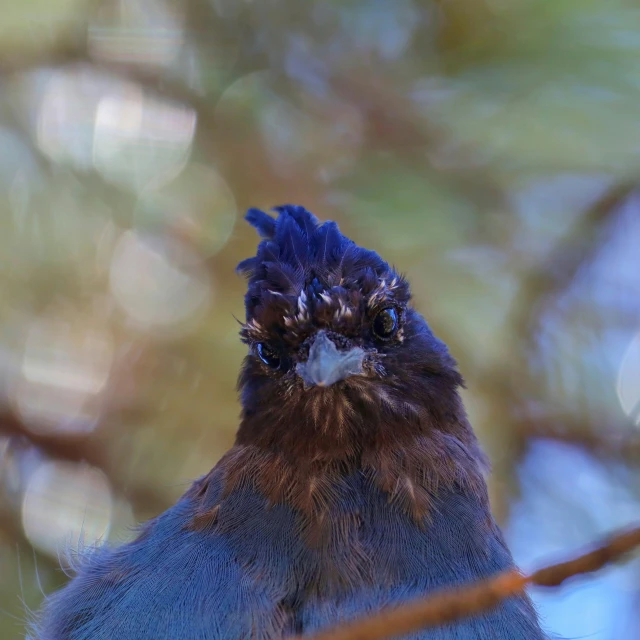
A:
(355, 481)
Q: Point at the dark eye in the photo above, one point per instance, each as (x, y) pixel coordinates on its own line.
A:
(385, 324)
(268, 355)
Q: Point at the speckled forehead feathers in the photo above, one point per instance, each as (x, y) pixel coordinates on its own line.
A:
(302, 263)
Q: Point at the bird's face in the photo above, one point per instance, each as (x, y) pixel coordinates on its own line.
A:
(338, 358)
(334, 346)
(326, 336)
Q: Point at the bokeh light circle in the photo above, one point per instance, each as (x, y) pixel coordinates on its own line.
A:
(66, 507)
(159, 282)
(629, 381)
(198, 205)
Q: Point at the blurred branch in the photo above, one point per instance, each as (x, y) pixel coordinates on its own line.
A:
(539, 292)
(543, 285)
(452, 605)
(617, 441)
(81, 450)
(63, 52)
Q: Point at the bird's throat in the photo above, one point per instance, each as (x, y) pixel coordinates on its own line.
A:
(411, 476)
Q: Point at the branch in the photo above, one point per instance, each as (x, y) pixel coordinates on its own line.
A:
(452, 605)
(81, 450)
(605, 438)
(554, 274)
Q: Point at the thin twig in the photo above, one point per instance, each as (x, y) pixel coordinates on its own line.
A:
(454, 604)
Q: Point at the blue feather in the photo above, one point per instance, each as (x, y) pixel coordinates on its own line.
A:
(263, 222)
(297, 239)
(327, 243)
(307, 222)
(284, 278)
(255, 575)
(292, 241)
(247, 266)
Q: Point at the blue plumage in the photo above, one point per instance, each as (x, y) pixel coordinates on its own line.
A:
(337, 498)
(249, 579)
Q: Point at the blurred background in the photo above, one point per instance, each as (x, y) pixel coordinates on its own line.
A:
(490, 149)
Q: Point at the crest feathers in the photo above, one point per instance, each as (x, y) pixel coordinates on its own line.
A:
(296, 250)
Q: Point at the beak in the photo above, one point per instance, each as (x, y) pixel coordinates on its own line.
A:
(326, 365)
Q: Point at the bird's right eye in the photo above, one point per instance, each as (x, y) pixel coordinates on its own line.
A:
(268, 355)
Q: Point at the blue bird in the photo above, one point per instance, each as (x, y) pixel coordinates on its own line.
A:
(355, 481)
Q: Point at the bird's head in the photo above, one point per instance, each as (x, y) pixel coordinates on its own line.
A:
(338, 358)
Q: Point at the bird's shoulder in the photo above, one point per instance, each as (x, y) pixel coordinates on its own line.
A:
(234, 564)
(174, 580)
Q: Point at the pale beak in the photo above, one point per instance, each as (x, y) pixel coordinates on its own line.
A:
(326, 365)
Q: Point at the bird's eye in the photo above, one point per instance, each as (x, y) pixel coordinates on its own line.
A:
(385, 324)
(268, 355)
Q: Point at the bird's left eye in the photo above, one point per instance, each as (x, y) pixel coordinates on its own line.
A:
(269, 355)
(385, 324)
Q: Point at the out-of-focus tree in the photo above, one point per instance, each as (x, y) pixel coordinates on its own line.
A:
(488, 148)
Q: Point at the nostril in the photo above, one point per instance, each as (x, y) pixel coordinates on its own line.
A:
(303, 351)
(341, 342)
